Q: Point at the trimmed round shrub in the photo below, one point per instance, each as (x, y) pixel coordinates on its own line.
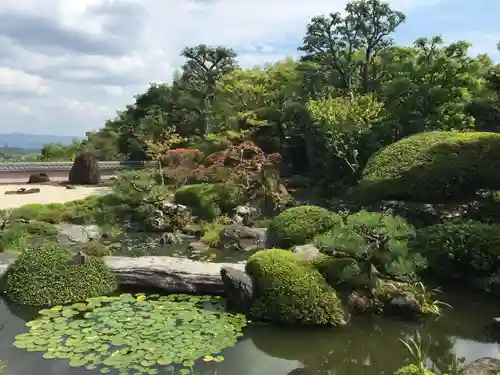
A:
(208, 201)
(85, 170)
(38, 178)
(297, 225)
(467, 248)
(433, 167)
(46, 276)
(290, 291)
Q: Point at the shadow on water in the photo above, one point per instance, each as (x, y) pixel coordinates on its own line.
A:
(368, 346)
(138, 244)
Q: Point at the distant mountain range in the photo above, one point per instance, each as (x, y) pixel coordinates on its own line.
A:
(32, 142)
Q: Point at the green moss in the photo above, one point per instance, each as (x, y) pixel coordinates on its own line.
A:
(463, 247)
(13, 237)
(297, 225)
(290, 291)
(433, 167)
(209, 201)
(211, 231)
(43, 276)
(339, 271)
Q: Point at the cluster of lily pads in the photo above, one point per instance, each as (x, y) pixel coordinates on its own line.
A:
(138, 334)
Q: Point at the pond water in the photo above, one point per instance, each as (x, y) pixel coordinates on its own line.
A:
(137, 244)
(368, 346)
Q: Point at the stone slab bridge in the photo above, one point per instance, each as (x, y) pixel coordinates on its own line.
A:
(19, 173)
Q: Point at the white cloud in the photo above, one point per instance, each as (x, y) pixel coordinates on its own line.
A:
(79, 61)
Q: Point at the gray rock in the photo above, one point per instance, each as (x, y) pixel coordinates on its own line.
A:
(169, 239)
(243, 238)
(72, 233)
(239, 289)
(483, 366)
(245, 215)
(198, 247)
(306, 252)
(174, 275)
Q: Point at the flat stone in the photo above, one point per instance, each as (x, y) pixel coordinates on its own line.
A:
(174, 275)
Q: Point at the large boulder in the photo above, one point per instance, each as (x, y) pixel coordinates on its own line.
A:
(483, 366)
(240, 237)
(69, 234)
(85, 170)
(38, 178)
(239, 289)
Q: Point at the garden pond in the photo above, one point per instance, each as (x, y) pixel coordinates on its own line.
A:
(367, 346)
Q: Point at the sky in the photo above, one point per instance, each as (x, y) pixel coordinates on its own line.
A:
(68, 65)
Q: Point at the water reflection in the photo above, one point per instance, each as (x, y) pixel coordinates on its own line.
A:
(369, 346)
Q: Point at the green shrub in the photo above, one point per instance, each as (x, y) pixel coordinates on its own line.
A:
(297, 225)
(211, 231)
(13, 236)
(209, 201)
(290, 291)
(433, 167)
(43, 276)
(51, 213)
(467, 248)
(413, 370)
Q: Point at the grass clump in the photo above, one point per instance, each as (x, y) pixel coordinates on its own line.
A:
(44, 276)
(290, 291)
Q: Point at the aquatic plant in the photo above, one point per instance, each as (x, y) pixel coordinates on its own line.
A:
(139, 333)
(425, 297)
(2, 366)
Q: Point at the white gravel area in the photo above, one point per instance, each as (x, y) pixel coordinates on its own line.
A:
(47, 194)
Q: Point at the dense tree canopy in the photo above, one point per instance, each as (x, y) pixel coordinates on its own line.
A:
(352, 92)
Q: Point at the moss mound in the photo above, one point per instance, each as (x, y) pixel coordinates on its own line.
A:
(297, 225)
(44, 276)
(209, 201)
(433, 167)
(465, 247)
(13, 236)
(290, 291)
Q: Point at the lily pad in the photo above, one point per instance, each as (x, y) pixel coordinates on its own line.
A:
(134, 333)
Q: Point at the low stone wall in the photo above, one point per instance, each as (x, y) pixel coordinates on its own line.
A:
(174, 275)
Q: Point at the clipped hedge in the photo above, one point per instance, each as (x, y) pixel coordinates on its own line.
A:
(297, 225)
(43, 276)
(209, 201)
(288, 290)
(433, 167)
(467, 248)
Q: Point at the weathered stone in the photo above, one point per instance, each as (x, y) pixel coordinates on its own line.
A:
(483, 366)
(198, 247)
(174, 275)
(306, 252)
(243, 238)
(245, 215)
(72, 233)
(38, 178)
(22, 191)
(239, 289)
(169, 239)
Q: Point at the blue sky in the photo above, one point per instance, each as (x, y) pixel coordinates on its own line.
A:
(67, 66)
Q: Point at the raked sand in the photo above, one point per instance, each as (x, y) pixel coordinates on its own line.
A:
(47, 194)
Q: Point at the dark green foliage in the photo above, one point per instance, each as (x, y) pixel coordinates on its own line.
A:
(85, 170)
(486, 208)
(209, 201)
(12, 237)
(297, 225)
(290, 291)
(433, 167)
(466, 248)
(42, 276)
(370, 239)
(340, 271)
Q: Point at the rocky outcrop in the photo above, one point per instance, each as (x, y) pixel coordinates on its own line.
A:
(243, 238)
(306, 252)
(483, 366)
(174, 275)
(69, 234)
(22, 191)
(245, 215)
(239, 289)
